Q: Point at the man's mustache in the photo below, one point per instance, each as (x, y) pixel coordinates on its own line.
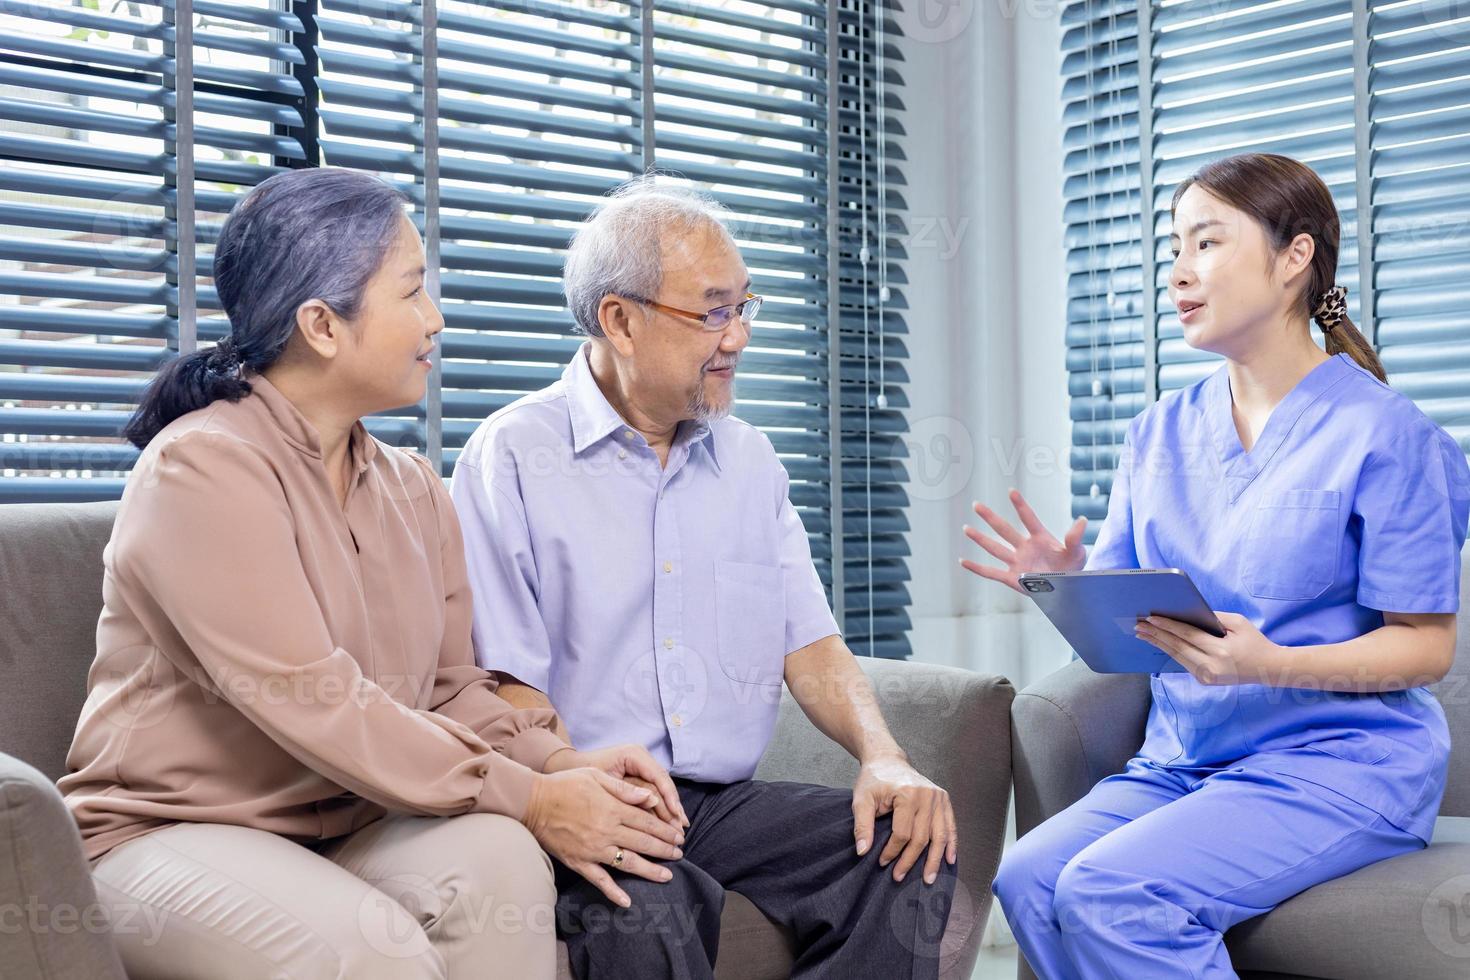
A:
(717, 367)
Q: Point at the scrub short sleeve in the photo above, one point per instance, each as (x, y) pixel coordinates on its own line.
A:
(1413, 499)
(1114, 547)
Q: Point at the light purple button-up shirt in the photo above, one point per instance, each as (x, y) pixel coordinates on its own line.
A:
(652, 605)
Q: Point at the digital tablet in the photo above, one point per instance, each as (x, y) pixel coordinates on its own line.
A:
(1097, 611)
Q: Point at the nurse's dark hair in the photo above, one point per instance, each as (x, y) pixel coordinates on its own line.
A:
(1287, 198)
(315, 233)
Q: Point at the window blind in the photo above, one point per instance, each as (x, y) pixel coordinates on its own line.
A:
(90, 230)
(874, 331)
(1259, 76)
(1103, 240)
(1418, 90)
(1375, 97)
(504, 123)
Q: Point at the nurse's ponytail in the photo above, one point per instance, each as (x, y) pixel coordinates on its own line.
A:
(1340, 334)
(1287, 198)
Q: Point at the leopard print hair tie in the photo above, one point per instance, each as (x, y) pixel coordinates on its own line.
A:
(1331, 308)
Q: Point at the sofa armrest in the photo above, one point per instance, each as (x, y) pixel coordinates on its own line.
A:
(51, 924)
(1069, 730)
(955, 726)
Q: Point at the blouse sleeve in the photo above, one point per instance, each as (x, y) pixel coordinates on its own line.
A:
(463, 690)
(206, 538)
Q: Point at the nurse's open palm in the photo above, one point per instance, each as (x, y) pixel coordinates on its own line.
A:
(1035, 550)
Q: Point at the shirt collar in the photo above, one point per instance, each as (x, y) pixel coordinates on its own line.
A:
(702, 433)
(299, 432)
(593, 418)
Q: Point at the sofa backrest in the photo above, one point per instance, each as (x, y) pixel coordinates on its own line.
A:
(50, 599)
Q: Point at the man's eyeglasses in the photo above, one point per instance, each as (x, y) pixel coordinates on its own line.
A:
(716, 319)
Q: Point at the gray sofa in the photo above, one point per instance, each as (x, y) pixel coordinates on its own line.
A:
(954, 724)
(1405, 917)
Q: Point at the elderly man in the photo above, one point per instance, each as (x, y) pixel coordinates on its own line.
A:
(637, 565)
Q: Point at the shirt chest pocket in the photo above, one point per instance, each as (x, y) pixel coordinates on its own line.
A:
(750, 621)
(1292, 544)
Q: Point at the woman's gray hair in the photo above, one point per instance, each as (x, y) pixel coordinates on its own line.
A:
(618, 249)
(314, 233)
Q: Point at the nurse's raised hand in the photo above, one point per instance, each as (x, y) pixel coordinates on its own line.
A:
(1242, 656)
(1037, 550)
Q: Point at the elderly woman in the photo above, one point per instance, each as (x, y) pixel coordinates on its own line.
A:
(288, 757)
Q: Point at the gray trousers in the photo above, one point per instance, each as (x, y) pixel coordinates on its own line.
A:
(789, 848)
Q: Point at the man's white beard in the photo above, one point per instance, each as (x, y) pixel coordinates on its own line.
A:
(700, 410)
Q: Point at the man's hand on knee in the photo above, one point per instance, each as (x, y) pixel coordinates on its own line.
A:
(923, 817)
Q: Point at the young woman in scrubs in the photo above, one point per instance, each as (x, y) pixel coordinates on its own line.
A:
(1321, 514)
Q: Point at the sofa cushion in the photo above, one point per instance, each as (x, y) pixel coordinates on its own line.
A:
(1408, 916)
(51, 924)
(51, 564)
(752, 947)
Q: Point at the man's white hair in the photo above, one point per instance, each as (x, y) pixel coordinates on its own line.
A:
(618, 249)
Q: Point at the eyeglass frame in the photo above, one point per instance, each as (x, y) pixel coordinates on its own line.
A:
(703, 318)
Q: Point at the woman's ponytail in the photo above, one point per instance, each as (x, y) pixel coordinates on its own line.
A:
(1342, 335)
(186, 384)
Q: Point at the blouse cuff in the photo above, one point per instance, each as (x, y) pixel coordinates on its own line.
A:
(533, 746)
(507, 789)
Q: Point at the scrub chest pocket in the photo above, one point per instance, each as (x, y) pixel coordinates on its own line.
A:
(1292, 544)
(750, 619)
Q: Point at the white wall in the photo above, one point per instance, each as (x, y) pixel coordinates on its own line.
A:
(987, 297)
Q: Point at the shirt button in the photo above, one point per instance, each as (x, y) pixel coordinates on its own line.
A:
(668, 643)
(627, 433)
(622, 454)
(668, 566)
(678, 721)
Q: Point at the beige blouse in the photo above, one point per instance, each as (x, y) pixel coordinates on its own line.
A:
(269, 658)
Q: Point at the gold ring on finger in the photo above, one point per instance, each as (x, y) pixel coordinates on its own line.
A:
(617, 861)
